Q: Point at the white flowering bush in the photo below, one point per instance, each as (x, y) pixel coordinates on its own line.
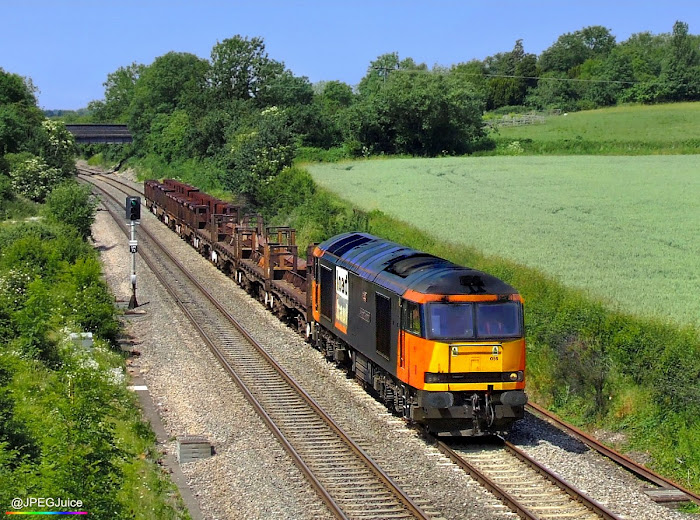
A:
(257, 155)
(34, 178)
(13, 287)
(58, 148)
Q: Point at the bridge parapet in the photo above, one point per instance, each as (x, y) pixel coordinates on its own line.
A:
(100, 133)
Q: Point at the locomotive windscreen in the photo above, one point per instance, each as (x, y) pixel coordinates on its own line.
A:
(474, 320)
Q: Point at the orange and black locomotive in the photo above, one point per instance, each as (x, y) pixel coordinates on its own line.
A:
(441, 344)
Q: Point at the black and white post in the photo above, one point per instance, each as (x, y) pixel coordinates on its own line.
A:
(133, 213)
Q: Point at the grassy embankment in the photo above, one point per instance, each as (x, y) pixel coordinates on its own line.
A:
(668, 129)
(70, 427)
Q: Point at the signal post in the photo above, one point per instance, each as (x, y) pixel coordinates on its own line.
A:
(133, 213)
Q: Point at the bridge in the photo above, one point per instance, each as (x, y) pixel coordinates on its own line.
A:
(100, 133)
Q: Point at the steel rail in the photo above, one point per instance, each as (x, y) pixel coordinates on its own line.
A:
(512, 502)
(613, 455)
(493, 487)
(577, 495)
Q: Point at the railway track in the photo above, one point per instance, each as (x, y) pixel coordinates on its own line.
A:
(663, 490)
(526, 487)
(347, 480)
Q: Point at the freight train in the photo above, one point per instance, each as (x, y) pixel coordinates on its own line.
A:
(440, 344)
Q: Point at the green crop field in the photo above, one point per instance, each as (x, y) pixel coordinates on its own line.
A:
(626, 229)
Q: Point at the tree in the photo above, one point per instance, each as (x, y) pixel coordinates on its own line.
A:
(681, 72)
(34, 179)
(57, 146)
(19, 116)
(513, 75)
(241, 69)
(646, 53)
(572, 49)
(327, 123)
(474, 73)
(168, 136)
(173, 81)
(258, 154)
(609, 78)
(380, 69)
(72, 204)
(119, 93)
(286, 90)
(16, 89)
(420, 113)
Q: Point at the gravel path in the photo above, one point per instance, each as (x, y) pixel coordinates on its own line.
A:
(251, 476)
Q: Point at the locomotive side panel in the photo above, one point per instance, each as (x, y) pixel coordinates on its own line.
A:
(373, 323)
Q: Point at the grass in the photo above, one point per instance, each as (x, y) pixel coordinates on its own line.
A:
(667, 123)
(624, 229)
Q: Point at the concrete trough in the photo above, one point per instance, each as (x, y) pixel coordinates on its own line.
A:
(193, 447)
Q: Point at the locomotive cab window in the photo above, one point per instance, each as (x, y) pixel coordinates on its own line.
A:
(499, 320)
(411, 319)
(451, 320)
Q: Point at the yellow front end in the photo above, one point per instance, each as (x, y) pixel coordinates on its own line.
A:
(466, 366)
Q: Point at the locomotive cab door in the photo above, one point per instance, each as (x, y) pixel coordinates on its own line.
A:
(383, 325)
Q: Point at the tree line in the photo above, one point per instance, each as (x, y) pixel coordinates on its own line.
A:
(247, 116)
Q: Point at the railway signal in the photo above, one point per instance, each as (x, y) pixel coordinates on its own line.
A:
(133, 208)
(133, 213)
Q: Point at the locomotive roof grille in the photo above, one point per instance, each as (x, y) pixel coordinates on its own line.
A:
(407, 265)
(347, 243)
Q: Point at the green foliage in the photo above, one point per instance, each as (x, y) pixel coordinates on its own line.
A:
(13, 205)
(16, 444)
(63, 410)
(417, 113)
(173, 81)
(57, 146)
(681, 72)
(168, 135)
(33, 322)
(241, 69)
(72, 204)
(34, 178)
(120, 90)
(87, 301)
(19, 116)
(573, 49)
(258, 155)
(312, 154)
(292, 199)
(513, 75)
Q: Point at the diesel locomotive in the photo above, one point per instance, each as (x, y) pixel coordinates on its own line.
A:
(440, 344)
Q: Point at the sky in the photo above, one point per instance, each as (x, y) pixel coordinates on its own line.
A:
(68, 47)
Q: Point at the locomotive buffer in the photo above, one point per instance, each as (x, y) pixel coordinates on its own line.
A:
(133, 213)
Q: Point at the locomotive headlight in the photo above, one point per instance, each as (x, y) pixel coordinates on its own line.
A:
(516, 376)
